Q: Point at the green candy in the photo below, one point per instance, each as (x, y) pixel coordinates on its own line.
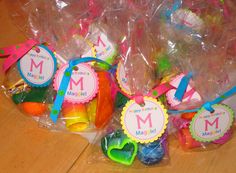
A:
(120, 100)
(164, 63)
(34, 95)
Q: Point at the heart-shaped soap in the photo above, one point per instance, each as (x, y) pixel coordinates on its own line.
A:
(119, 148)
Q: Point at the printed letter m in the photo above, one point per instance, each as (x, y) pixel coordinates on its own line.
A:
(148, 118)
(80, 81)
(33, 64)
(211, 124)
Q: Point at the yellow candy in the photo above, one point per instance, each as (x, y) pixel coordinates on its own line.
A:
(91, 110)
(76, 117)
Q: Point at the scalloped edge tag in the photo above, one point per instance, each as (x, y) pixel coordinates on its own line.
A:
(187, 18)
(208, 127)
(105, 49)
(122, 79)
(25, 67)
(146, 123)
(72, 96)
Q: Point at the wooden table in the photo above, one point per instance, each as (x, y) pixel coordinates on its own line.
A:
(27, 148)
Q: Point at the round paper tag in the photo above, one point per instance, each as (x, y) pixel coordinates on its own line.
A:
(207, 127)
(189, 95)
(144, 124)
(105, 50)
(83, 85)
(38, 67)
(187, 18)
(122, 78)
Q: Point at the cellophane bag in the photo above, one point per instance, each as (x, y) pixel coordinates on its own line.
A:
(27, 80)
(196, 34)
(199, 38)
(147, 49)
(137, 134)
(72, 29)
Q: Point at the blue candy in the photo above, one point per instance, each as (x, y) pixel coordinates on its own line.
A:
(151, 153)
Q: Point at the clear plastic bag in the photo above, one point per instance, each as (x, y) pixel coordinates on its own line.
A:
(115, 145)
(136, 76)
(27, 81)
(87, 116)
(72, 30)
(186, 139)
(154, 45)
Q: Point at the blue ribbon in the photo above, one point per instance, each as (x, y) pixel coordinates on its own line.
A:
(65, 82)
(208, 105)
(112, 70)
(179, 94)
(175, 7)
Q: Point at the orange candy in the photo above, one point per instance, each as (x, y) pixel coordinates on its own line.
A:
(186, 140)
(34, 108)
(104, 100)
(188, 116)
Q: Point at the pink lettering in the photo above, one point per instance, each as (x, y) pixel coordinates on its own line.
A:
(100, 41)
(40, 64)
(80, 81)
(211, 124)
(148, 118)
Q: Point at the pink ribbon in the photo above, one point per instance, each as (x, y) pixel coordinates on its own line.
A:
(180, 123)
(155, 92)
(14, 53)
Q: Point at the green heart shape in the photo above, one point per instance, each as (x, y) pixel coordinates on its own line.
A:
(119, 148)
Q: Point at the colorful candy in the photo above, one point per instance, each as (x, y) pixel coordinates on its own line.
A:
(92, 109)
(224, 138)
(186, 140)
(13, 83)
(76, 117)
(155, 41)
(151, 153)
(34, 108)
(119, 148)
(104, 100)
(120, 100)
(33, 101)
(188, 116)
(34, 95)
